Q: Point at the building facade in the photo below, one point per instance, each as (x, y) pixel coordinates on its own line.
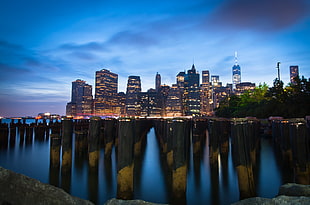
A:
(132, 104)
(192, 92)
(81, 99)
(294, 72)
(106, 96)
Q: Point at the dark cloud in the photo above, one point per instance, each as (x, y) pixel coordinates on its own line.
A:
(91, 46)
(136, 39)
(260, 15)
(9, 72)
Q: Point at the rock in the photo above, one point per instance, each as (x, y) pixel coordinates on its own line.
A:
(288, 194)
(19, 189)
(292, 189)
(280, 200)
(255, 201)
(128, 202)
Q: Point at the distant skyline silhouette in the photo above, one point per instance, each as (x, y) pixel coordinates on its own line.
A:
(44, 46)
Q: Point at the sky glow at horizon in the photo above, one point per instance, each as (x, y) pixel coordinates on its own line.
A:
(45, 45)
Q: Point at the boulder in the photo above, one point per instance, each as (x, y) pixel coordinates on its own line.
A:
(19, 189)
(128, 202)
(292, 189)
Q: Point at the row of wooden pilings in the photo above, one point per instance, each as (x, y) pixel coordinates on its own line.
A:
(292, 140)
(26, 132)
(126, 134)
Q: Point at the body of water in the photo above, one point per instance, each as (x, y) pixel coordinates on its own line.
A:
(206, 183)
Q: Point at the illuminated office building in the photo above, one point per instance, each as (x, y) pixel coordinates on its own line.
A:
(192, 92)
(174, 105)
(236, 73)
(106, 99)
(244, 86)
(81, 99)
(133, 106)
(206, 94)
(293, 73)
(157, 82)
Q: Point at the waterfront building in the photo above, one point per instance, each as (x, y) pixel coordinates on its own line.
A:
(174, 105)
(215, 80)
(244, 86)
(294, 72)
(180, 80)
(153, 108)
(219, 94)
(81, 99)
(106, 99)
(205, 77)
(236, 73)
(132, 104)
(162, 99)
(157, 82)
(206, 94)
(192, 92)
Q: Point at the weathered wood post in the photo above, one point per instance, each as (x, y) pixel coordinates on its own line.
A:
(180, 129)
(67, 131)
(55, 144)
(29, 133)
(12, 133)
(244, 150)
(21, 130)
(109, 131)
(125, 164)
(93, 141)
(199, 135)
(4, 134)
(300, 135)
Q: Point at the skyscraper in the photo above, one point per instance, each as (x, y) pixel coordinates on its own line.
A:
(106, 92)
(174, 106)
(205, 94)
(132, 96)
(236, 73)
(293, 73)
(157, 82)
(192, 92)
(205, 76)
(81, 99)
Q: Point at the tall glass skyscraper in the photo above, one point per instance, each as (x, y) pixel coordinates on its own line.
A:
(132, 96)
(157, 82)
(293, 72)
(81, 99)
(192, 92)
(236, 73)
(106, 99)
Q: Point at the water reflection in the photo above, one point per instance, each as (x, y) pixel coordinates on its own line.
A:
(175, 162)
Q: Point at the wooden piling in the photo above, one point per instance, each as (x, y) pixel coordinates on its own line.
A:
(55, 144)
(125, 164)
(244, 144)
(67, 130)
(4, 133)
(93, 141)
(109, 131)
(180, 129)
(300, 135)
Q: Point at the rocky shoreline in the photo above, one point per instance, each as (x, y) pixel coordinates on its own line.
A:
(19, 189)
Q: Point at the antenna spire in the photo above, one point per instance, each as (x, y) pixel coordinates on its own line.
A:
(236, 58)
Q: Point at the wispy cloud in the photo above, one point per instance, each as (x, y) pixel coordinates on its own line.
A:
(263, 15)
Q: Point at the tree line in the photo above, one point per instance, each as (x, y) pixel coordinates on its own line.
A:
(290, 101)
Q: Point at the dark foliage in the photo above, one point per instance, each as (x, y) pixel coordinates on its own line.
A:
(263, 102)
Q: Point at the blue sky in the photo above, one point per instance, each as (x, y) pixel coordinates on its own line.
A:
(45, 45)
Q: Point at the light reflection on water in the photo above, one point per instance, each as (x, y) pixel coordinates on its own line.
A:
(206, 184)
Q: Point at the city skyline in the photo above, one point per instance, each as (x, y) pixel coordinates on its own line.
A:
(44, 46)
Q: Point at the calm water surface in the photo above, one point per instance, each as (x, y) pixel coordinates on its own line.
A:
(205, 184)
